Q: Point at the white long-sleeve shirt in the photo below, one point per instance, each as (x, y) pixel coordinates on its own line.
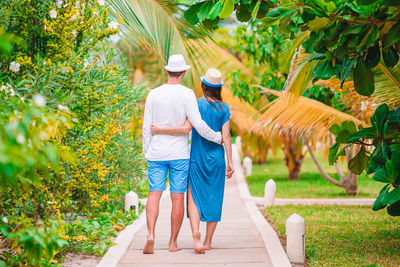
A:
(168, 106)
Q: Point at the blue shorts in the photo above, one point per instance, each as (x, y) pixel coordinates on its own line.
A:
(178, 174)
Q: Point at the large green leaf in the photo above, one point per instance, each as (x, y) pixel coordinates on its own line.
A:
(391, 197)
(378, 202)
(227, 8)
(394, 210)
(359, 163)
(381, 175)
(244, 14)
(332, 153)
(318, 24)
(216, 9)
(393, 35)
(373, 56)
(191, 13)
(325, 70)
(381, 115)
(394, 115)
(390, 56)
(205, 10)
(363, 79)
(369, 133)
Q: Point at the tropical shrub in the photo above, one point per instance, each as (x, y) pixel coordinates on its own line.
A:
(67, 153)
(379, 153)
(346, 37)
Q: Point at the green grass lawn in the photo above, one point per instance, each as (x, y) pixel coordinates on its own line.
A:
(311, 183)
(344, 235)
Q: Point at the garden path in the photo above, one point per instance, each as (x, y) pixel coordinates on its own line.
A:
(236, 240)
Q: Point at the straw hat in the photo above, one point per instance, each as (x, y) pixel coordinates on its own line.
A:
(176, 63)
(213, 78)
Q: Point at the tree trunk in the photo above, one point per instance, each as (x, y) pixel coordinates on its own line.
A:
(348, 182)
(292, 149)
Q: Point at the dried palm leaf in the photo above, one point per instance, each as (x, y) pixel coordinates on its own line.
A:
(302, 117)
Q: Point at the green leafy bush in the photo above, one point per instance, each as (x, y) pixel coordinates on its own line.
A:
(67, 153)
(379, 153)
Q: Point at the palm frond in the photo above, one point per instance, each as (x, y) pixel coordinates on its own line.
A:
(302, 117)
(300, 74)
(289, 49)
(387, 90)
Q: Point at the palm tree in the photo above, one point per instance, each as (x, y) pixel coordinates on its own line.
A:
(295, 117)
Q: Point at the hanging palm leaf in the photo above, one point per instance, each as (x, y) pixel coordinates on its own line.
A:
(387, 90)
(303, 117)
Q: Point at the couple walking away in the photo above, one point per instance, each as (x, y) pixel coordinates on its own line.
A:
(170, 113)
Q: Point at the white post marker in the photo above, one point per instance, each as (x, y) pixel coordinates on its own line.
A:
(295, 231)
(132, 199)
(247, 165)
(239, 143)
(269, 192)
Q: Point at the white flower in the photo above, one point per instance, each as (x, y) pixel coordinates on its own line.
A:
(3, 88)
(39, 100)
(101, 2)
(20, 139)
(113, 25)
(61, 107)
(43, 136)
(85, 63)
(22, 99)
(59, 3)
(53, 14)
(73, 17)
(77, 5)
(5, 220)
(363, 106)
(14, 66)
(74, 33)
(114, 38)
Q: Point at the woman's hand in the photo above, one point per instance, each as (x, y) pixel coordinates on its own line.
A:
(229, 170)
(187, 126)
(155, 130)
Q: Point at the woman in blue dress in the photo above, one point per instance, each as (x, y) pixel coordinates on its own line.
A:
(208, 169)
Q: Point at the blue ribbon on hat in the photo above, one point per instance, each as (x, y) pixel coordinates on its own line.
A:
(211, 84)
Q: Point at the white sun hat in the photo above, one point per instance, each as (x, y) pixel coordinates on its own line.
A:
(176, 63)
(213, 78)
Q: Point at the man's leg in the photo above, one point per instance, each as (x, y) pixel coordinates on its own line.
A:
(157, 176)
(177, 213)
(152, 209)
(178, 172)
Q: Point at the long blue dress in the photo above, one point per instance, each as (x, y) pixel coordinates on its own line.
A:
(207, 163)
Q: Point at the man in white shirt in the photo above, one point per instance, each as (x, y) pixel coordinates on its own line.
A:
(170, 105)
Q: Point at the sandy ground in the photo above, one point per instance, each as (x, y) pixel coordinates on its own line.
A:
(75, 260)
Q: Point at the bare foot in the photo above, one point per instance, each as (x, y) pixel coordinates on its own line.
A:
(149, 247)
(198, 247)
(206, 247)
(174, 247)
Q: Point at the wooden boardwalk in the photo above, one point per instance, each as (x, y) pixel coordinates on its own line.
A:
(236, 241)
